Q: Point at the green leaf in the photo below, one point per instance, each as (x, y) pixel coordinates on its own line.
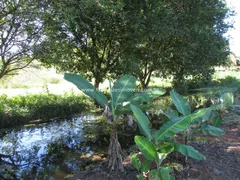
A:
(123, 89)
(155, 174)
(189, 151)
(147, 96)
(146, 166)
(215, 131)
(135, 161)
(172, 127)
(146, 147)
(161, 157)
(227, 99)
(139, 98)
(181, 104)
(166, 148)
(166, 173)
(143, 121)
(201, 115)
(217, 120)
(140, 177)
(87, 88)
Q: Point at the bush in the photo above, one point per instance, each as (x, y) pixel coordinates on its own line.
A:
(21, 109)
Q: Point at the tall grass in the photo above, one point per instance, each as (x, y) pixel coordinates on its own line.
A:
(22, 109)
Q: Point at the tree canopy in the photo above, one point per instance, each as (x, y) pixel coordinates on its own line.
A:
(100, 39)
(87, 37)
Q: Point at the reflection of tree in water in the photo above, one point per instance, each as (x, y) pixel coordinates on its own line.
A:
(55, 149)
(96, 133)
(40, 151)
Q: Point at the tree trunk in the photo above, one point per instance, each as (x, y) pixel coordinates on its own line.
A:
(145, 80)
(115, 150)
(96, 83)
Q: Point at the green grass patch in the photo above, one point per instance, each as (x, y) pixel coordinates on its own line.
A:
(22, 109)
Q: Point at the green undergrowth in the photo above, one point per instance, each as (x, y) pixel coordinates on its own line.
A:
(22, 109)
(196, 100)
(228, 83)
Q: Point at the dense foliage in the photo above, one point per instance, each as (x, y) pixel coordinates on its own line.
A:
(22, 109)
(100, 39)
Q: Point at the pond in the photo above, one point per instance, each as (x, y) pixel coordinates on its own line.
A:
(50, 150)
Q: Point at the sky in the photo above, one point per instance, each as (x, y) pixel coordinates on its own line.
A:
(235, 32)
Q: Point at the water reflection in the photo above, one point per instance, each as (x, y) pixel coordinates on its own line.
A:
(43, 151)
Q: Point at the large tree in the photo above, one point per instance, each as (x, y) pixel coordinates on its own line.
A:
(84, 36)
(199, 40)
(19, 33)
(152, 25)
(98, 39)
(183, 38)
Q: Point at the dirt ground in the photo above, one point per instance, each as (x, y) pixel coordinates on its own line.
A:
(222, 158)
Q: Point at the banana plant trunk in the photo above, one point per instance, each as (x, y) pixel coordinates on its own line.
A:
(115, 150)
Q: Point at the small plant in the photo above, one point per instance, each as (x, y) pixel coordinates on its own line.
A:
(155, 148)
(205, 120)
(122, 94)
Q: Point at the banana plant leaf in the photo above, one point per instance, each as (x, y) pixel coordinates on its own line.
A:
(172, 127)
(166, 173)
(189, 151)
(136, 161)
(201, 115)
(87, 88)
(147, 96)
(227, 99)
(146, 147)
(155, 174)
(143, 121)
(146, 166)
(217, 120)
(180, 103)
(215, 131)
(123, 89)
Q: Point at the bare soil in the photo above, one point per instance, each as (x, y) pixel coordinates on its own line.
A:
(222, 159)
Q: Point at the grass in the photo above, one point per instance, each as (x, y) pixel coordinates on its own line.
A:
(44, 79)
(22, 109)
(223, 74)
(31, 77)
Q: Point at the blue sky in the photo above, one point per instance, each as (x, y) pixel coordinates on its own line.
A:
(235, 33)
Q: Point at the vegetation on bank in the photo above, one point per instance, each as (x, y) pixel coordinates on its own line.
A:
(22, 109)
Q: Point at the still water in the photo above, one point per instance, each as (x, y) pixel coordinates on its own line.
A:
(46, 151)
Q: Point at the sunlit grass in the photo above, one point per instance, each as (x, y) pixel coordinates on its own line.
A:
(224, 74)
(37, 79)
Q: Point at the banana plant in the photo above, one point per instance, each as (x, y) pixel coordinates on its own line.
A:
(205, 120)
(122, 93)
(155, 146)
